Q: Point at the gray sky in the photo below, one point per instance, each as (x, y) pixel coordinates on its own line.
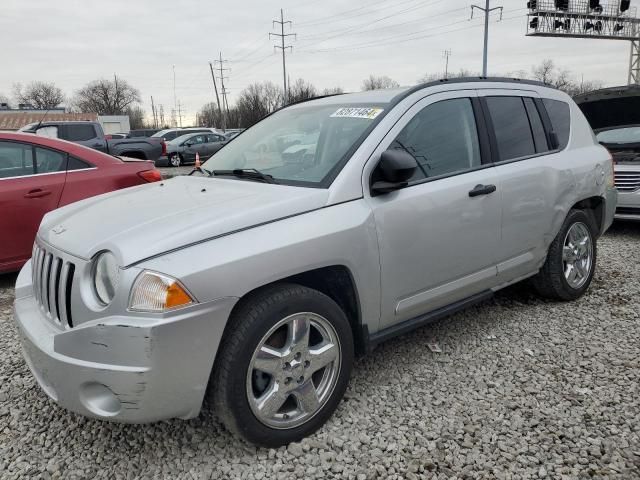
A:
(339, 43)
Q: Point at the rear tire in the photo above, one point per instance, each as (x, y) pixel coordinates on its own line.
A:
(571, 260)
(175, 160)
(272, 383)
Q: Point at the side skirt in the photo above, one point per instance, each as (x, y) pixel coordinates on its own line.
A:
(372, 340)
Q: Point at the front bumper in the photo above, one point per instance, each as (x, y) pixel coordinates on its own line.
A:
(628, 206)
(131, 369)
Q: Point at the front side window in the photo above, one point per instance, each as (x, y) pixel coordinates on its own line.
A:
(16, 160)
(79, 133)
(302, 145)
(511, 127)
(443, 139)
(560, 117)
(49, 161)
(197, 140)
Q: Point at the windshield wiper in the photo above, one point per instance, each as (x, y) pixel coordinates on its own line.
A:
(248, 173)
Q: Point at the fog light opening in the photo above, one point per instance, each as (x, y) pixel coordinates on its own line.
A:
(99, 399)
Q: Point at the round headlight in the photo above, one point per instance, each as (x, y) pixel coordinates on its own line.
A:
(105, 277)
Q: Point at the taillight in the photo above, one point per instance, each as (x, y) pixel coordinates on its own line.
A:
(164, 147)
(151, 175)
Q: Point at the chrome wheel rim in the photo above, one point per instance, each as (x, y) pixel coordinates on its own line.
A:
(293, 370)
(175, 160)
(577, 255)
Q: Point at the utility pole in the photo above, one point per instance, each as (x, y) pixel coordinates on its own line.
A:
(180, 113)
(153, 112)
(175, 98)
(161, 115)
(215, 88)
(486, 11)
(225, 104)
(446, 54)
(284, 48)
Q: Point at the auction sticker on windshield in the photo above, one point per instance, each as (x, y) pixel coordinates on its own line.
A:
(357, 112)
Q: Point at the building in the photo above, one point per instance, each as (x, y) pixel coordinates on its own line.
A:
(15, 118)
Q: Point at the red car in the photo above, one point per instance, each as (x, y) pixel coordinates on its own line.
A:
(39, 174)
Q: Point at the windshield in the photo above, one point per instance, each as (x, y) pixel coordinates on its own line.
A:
(302, 145)
(620, 135)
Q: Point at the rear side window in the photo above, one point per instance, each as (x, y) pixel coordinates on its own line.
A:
(537, 128)
(77, 164)
(443, 139)
(49, 161)
(16, 160)
(79, 133)
(511, 126)
(560, 119)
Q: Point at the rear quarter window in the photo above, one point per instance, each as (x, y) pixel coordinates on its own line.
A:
(560, 117)
(79, 133)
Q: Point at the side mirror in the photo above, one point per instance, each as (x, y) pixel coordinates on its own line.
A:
(394, 170)
(187, 144)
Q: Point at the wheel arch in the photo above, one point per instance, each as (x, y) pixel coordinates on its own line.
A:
(595, 208)
(336, 282)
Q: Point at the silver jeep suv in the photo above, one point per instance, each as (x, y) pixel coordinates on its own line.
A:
(255, 281)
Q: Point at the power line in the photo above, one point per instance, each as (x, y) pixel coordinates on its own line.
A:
(284, 48)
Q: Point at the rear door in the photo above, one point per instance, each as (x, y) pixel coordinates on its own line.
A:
(531, 178)
(28, 190)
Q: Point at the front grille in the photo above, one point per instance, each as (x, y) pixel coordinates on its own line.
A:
(627, 181)
(52, 281)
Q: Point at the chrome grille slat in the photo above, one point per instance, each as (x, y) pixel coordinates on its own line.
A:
(62, 289)
(45, 281)
(627, 181)
(52, 281)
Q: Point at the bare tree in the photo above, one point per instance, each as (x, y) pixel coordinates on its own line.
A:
(375, 83)
(106, 97)
(301, 90)
(332, 91)
(136, 117)
(37, 94)
(432, 77)
(562, 79)
(257, 101)
(5, 99)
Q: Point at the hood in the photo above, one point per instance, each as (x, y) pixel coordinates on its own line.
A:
(148, 220)
(611, 107)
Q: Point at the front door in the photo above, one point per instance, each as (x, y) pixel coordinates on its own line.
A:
(437, 241)
(28, 190)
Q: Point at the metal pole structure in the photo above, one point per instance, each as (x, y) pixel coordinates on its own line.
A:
(153, 112)
(283, 47)
(447, 54)
(284, 64)
(215, 87)
(224, 90)
(175, 98)
(486, 11)
(634, 63)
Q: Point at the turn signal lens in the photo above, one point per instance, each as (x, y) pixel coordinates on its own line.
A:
(155, 292)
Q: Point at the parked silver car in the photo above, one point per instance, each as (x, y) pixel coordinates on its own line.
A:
(256, 281)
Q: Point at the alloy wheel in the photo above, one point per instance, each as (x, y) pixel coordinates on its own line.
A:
(293, 370)
(577, 255)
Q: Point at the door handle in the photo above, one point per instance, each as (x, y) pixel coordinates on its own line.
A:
(37, 193)
(482, 190)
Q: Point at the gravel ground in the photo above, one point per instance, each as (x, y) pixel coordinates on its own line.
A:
(523, 389)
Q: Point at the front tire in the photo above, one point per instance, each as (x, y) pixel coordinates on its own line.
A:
(571, 260)
(283, 366)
